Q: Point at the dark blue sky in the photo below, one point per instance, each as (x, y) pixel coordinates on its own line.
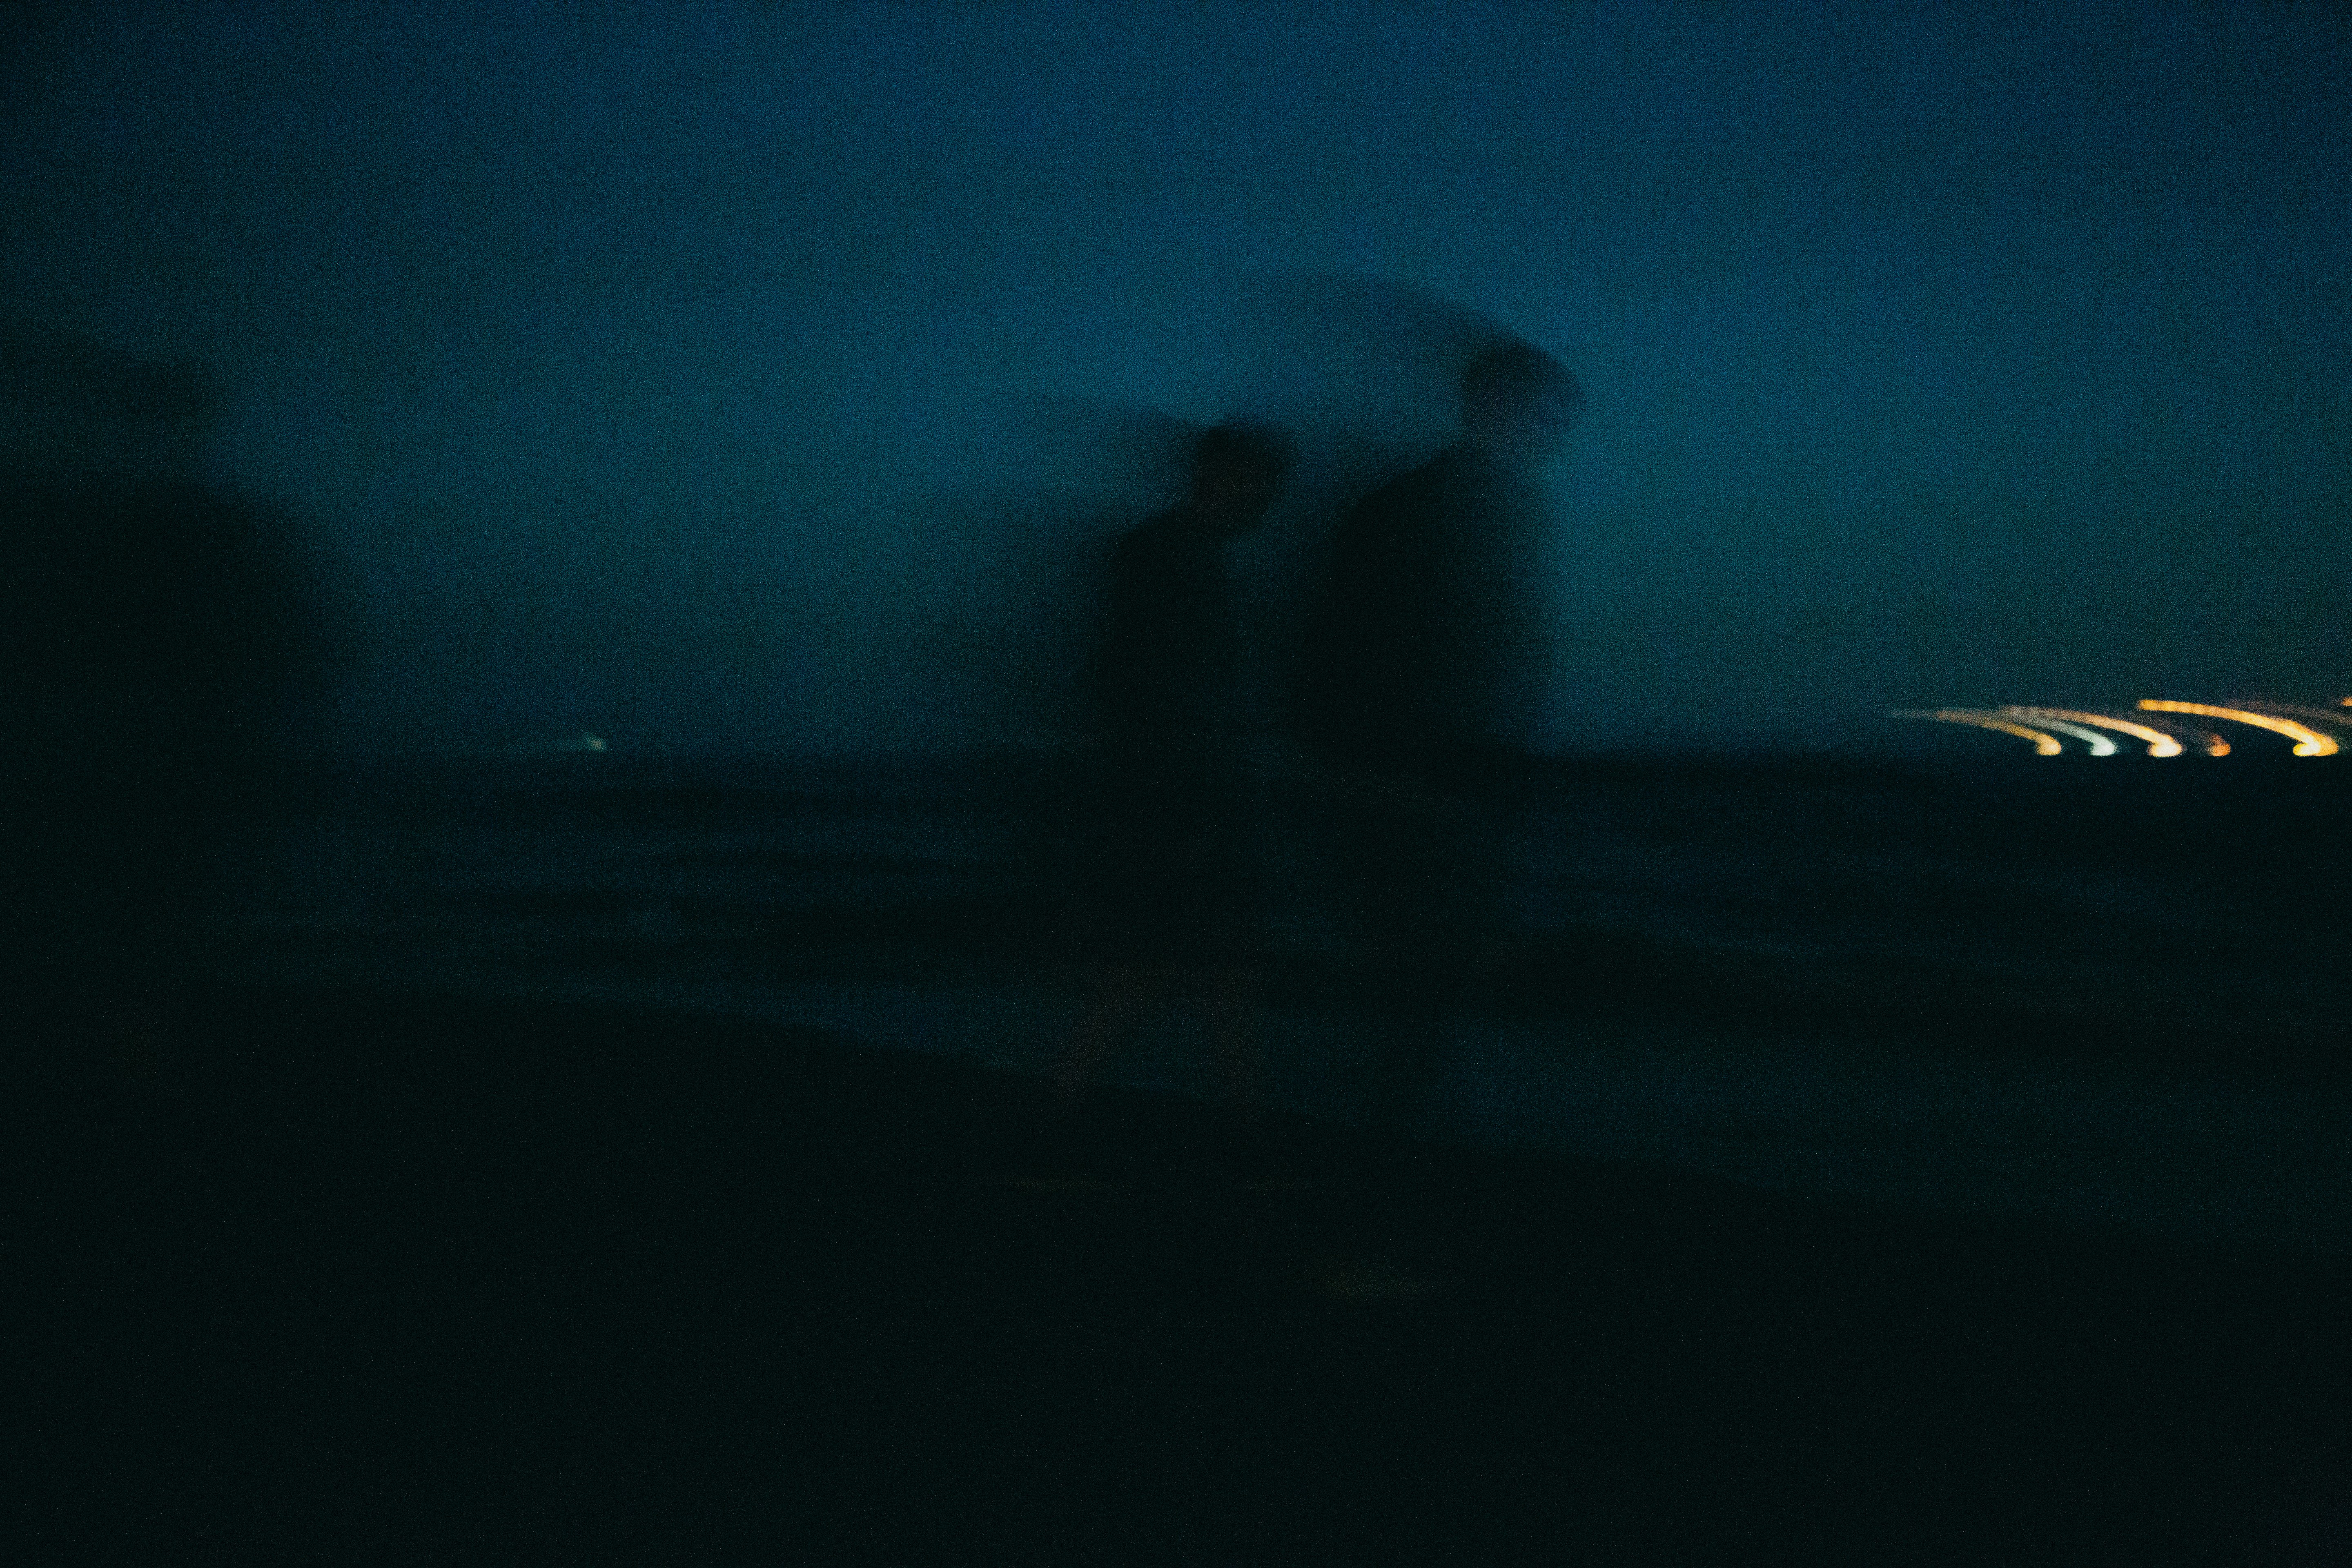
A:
(732, 372)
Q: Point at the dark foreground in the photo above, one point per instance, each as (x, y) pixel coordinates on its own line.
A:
(409, 1282)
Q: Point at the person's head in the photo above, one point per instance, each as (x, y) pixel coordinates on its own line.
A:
(1520, 402)
(1237, 470)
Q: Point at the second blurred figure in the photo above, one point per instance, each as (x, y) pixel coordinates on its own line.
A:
(1172, 881)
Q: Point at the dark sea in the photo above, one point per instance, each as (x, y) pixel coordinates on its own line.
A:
(2107, 991)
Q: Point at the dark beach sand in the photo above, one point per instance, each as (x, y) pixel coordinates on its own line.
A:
(366, 1278)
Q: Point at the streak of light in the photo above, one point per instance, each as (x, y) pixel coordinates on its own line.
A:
(2323, 716)
(2100, 745)
(2159, 744)
(2044, 744)
(2307, 742)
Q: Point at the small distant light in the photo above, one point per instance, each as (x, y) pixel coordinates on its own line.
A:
(2308, 742)
(2159, 744)
(2044, 745)
(593, 742)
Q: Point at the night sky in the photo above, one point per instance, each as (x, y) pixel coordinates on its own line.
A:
(752, 375)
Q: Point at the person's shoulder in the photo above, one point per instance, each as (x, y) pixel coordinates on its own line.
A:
(1168, 542)
(1161, 531)
(1442, 472)
(1464, 469)
(1145, 540)
(1399, 505)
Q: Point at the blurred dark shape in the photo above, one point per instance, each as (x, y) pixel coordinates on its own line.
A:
(1094, 445)
(78, 409)
(1424, 645)
(1392, 352)
(1424, 670)
(1171, 855)
(1012, 576)
(1166, 681)
(162, 652)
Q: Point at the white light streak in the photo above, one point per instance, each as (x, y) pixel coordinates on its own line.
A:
(2159, 744)
(2100, 745)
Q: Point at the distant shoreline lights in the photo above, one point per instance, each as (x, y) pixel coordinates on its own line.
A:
(2044, 726)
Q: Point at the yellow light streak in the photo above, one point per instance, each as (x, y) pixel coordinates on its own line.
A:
(2323, 716)
(2159, 744)
(2044, 745)
(2308, 742)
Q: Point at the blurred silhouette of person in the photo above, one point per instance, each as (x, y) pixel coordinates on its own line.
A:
(155, 648)
(158, 650)
(1425, 664)
(1172, 864)
(1425, 644)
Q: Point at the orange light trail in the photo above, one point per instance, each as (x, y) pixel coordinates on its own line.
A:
(2290, 711)
(2159, 744)
(2044, 744)
(2308, 742)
